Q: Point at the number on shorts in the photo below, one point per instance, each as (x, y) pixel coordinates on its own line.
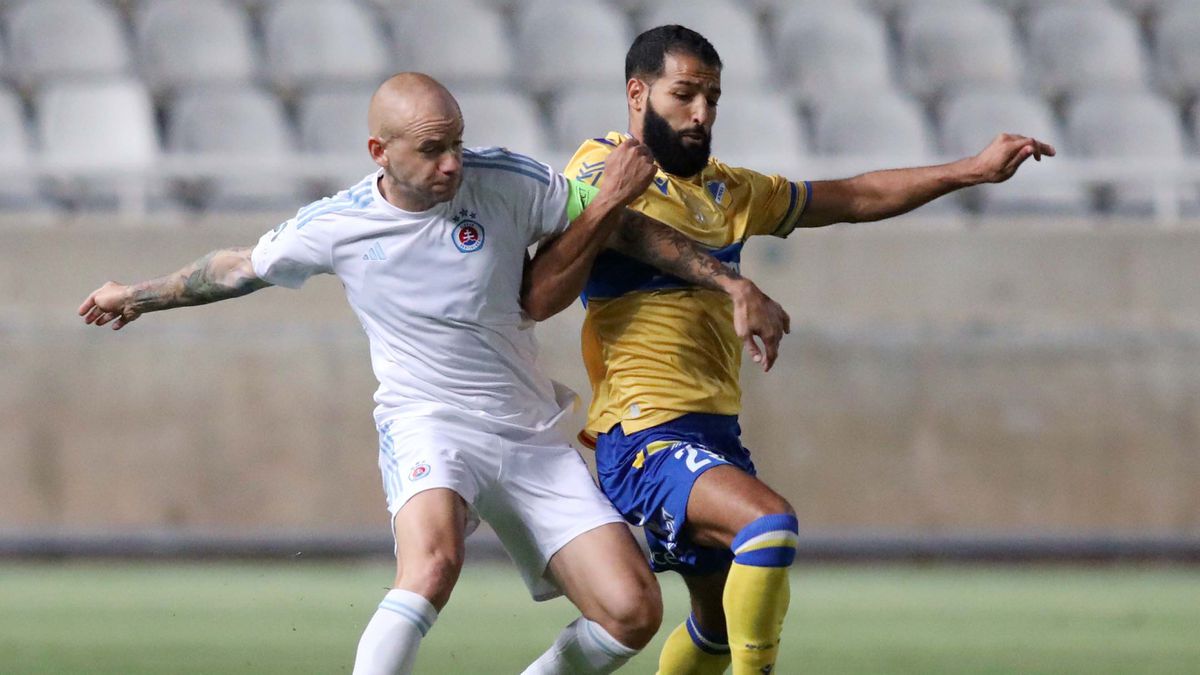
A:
(693, 459)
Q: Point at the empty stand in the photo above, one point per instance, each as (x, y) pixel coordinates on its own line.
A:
(1075, 47)
(761, 132)
(505, 119)
(1177, 51)
(310, 42)
(577, 44)
(460, 42)
(51, 39)
(333, 125)
(589, 112)
(949, 46)
(189, 42)
(823, 48)
(880, 124)
(727, 25)
(17, 189)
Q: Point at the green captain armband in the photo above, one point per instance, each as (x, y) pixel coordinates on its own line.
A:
(579, 195)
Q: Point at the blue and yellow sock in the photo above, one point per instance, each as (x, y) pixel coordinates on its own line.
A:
(690, 651)
(757, 591)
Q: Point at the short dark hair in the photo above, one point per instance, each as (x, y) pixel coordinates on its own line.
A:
(649, 50)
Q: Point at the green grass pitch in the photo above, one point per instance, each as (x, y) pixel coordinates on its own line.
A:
(305, 617)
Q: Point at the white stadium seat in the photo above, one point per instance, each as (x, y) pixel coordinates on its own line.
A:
(17, 189)
(825, 48)
(1126, 126)
(972, 119)
(188, 42)
(588, 112)
(1077, 47)
(311, 42)
(100, 133)
(760, 131)
(880, 124)
(506, 119)
(460, 42)
(333, 123)
(727, 25)
(1177, 52)
(577, 44)
(51, 39)
(945, 47)
(232, 124)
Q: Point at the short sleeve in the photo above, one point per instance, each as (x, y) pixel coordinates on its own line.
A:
(550, 208)
(292, 252)
(776, 204)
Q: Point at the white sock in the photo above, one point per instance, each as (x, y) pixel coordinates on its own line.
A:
(389, 643)
(582, 647)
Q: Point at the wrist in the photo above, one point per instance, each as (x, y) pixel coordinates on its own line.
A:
(736, 287)
(968, 172)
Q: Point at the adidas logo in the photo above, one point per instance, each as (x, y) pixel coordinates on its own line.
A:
(374, 253)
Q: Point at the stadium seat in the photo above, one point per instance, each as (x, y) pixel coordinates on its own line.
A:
(189, 42)
(727, 25)
(972, 119)
(824, 48)
(1077, 47)
(51, 39)
(311, 42)
(238, 127)
(881, 124)
(587, 112)
(1125, 126)
(760, 131)
(100, 137)
(460, 42)
(575, 45)
(17, 189)
(503, 118)
(1177, 53)
(947, 46)
(333, 125)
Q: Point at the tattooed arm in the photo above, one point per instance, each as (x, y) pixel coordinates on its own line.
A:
(220, 275)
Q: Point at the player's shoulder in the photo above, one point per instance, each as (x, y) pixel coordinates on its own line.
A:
(497, 170)
(588, 162)
(355, 201)
(734, 175)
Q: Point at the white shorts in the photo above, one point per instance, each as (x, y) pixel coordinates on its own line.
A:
(536, 494)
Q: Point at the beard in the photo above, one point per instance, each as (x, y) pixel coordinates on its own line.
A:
(672, 154)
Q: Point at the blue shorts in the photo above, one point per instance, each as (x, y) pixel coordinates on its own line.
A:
(648, 476)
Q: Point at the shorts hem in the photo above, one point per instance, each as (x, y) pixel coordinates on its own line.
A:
(558, 545)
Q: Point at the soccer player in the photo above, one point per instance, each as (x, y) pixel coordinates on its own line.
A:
(663, 357)
(431, 250)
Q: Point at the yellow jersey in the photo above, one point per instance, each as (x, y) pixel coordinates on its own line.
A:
(655, 347)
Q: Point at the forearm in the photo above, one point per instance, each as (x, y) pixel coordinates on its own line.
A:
(883, 194)
(220, 275)
(559, 271)
(665, 248)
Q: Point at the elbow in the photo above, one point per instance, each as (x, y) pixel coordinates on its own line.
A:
(538, 309)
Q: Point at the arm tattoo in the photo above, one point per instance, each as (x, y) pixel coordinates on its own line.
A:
(220, 275)
(661, 246)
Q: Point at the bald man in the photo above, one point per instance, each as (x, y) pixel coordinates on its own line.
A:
(432, 251)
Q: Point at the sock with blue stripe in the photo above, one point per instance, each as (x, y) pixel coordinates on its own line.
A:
(757, 592)
(690, 650)
(582, 647)
(389, 643)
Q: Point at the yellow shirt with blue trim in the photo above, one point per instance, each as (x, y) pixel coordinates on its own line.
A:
(656, 347)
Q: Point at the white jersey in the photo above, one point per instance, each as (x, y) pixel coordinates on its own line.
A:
(438, 292)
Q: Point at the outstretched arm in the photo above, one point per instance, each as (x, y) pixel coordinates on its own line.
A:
(222, 274)
(883, 194)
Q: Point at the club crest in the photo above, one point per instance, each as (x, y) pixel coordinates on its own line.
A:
(468, 233)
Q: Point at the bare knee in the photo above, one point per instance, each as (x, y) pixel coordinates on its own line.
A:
(634, 615)
(431, 575)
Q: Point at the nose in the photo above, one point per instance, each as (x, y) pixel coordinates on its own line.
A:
(702, 113)
(450, 163)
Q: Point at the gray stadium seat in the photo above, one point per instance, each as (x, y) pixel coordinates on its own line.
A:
(760, 131)
(947, 46)
(589, 112)
(727, 25)
(460, 42)
(972, 119)
(824, 48)
(64, 38)
(1076, 47)
(189, 42)
(17, 189)
(100, 135)
(574, 45)
(333, 124)
(881, 124)
(1177, 51)
(313, 42)
(503, 118)
(1125, 126)
(233, 125)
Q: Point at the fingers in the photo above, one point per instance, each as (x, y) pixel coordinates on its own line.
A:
(756, 354)
(88, 304)
(772, 346)
(93, 315)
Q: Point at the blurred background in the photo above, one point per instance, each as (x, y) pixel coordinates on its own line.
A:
(1010, 373)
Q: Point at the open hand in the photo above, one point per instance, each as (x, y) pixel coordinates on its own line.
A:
(999, 160)
(108, 303)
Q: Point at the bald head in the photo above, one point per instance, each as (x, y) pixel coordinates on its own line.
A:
(407, 102)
